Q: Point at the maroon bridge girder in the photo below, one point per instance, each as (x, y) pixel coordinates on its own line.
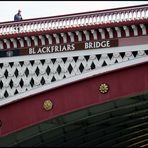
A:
(125, 82)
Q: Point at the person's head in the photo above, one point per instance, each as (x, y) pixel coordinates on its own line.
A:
(19, 11)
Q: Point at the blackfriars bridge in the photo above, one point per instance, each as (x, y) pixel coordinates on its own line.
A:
(75, 80)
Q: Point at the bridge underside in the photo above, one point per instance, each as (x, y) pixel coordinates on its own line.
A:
(123, 122)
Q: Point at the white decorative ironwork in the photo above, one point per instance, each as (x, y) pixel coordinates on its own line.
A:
(75, 36)
(17, 76)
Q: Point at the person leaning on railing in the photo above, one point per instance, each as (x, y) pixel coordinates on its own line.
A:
(18, 17)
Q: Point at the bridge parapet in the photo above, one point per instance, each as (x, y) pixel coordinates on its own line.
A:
(106, 17)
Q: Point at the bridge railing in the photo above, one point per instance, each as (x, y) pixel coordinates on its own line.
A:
(75, 20)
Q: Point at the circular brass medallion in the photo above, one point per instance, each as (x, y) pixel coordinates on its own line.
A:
(47, 105)
(104, 88)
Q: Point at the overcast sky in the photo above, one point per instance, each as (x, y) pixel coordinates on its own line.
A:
(35, 9)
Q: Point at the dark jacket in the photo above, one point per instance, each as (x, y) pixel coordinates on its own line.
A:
(17, 17)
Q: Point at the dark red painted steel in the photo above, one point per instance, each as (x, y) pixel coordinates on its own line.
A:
(122, 83)
(139, 40)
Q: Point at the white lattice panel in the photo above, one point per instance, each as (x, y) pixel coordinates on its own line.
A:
(21, 76)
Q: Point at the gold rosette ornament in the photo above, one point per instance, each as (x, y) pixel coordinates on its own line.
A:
(104, 88)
